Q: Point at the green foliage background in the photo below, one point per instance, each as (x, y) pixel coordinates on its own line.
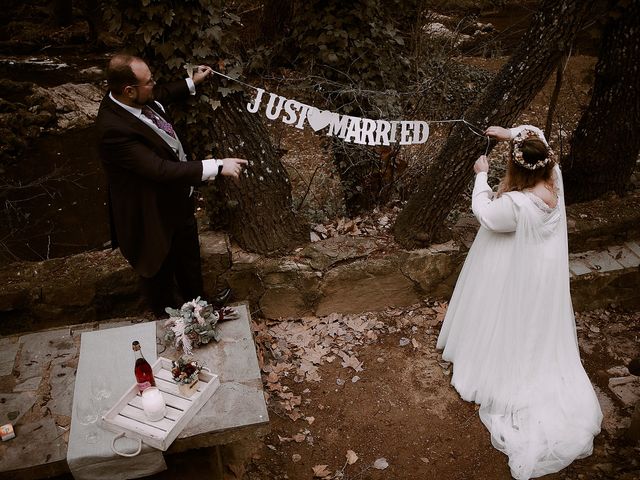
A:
(169, 35)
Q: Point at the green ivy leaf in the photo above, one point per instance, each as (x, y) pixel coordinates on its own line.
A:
(175, 62)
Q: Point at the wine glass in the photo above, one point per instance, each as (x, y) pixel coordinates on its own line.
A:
(100, 392)
(87, 411)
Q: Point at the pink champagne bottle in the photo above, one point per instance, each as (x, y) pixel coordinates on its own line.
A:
(142, 369)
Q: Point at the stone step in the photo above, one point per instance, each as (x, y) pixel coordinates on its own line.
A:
(613, 258)
(339, 274)
(603, 277)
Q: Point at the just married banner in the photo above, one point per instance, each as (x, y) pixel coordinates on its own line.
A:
(364, 131)
(350, 129)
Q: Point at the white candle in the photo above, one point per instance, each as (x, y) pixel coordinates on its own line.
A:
(153, 404)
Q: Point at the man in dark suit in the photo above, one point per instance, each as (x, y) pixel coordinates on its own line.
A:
(151, 206)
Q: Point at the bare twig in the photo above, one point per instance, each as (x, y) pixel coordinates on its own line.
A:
(304, 197)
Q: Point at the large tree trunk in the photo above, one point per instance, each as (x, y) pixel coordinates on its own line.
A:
(257, 208)
(605, 144)
(549, 36)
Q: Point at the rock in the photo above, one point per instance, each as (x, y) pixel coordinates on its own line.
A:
(326, 253)
(92, 73)
(76, 104)
(627, 389)
(366, 285)
(611, 421)
(290, 289)
(619, 371)
(633, 432)
(435, 269)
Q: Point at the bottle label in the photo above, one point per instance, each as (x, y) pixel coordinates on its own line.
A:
(142, 386)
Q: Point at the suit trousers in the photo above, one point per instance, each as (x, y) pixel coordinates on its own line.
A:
(180, 276)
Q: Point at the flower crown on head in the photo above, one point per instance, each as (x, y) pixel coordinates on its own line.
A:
(519, 139)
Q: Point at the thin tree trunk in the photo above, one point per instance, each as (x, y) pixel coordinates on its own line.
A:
(260, 215)
(605, 145)
(548, 38)
(553, 102)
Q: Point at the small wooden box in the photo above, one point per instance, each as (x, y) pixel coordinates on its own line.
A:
(127, 416)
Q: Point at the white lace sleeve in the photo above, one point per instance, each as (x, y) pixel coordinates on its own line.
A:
(497, 215)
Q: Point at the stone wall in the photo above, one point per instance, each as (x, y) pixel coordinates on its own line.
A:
(340, 274)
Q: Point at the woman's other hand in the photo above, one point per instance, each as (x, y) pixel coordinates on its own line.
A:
(481, 165)
(499, 133)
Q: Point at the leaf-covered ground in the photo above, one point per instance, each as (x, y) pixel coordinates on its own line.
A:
(367, 396)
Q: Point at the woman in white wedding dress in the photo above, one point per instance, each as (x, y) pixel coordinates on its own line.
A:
(510, 329)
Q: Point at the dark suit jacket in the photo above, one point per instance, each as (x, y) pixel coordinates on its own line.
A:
(148, 185)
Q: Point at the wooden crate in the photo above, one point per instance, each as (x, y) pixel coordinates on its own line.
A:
(127, 416)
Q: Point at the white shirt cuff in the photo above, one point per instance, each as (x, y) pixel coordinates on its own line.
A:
(210, 168)
(191, 85)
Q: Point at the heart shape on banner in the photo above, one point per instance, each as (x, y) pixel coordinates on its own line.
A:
(318, 119)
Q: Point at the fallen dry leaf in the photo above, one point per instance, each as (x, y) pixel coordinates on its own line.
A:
(351, 361)
(351, 457)
(321, 471)
(380, 464)
(441, 310)
(295, 415)
(310, 420)
(296, 457)
(299, 437)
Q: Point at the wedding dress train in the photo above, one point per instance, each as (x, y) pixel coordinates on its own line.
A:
(510, 333)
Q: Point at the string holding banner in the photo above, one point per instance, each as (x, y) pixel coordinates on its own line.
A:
(363, 131)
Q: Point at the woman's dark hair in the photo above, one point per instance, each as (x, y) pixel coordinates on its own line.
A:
(520, 178)
(119, 73)
(533, 150)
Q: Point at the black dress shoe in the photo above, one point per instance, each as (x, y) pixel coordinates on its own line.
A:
(221, 298)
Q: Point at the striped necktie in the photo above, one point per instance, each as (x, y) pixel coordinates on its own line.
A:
(158, 121)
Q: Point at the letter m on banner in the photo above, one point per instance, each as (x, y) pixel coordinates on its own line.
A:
(339, 125)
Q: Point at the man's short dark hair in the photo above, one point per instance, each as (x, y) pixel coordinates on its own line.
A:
(119, 73)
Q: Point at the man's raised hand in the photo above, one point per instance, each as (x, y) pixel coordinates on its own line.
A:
(200, 73)
(232, 167)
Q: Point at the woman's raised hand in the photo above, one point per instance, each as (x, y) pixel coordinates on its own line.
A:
(481, 165)
(499, 133)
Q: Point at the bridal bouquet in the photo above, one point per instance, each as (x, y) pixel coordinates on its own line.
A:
(194, 324)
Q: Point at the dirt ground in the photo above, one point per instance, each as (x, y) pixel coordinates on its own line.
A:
(368, 397)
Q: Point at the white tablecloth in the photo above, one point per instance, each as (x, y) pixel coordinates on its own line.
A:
(108, 353)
